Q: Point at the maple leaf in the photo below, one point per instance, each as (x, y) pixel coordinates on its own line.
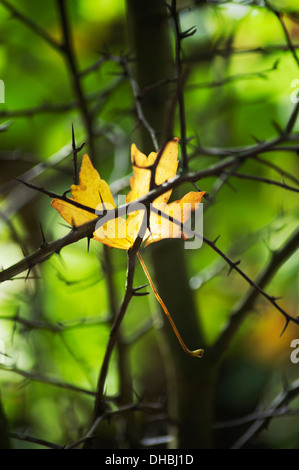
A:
(95, 193)
(164, 164)
(148, 172)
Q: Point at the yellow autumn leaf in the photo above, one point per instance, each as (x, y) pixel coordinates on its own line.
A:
(160, 227)
(95, 193)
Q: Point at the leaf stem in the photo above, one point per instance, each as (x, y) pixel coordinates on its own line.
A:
(196, 352)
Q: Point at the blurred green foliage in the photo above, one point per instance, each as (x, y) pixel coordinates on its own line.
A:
(231, 100)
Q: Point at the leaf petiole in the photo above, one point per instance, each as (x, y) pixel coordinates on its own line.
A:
(196, 352)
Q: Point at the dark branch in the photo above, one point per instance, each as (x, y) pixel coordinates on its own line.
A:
(31, 25)
(279, 401)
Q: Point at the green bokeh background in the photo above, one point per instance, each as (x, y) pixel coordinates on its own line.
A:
(252, 218)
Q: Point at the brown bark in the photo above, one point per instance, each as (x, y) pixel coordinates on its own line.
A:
(190, 401)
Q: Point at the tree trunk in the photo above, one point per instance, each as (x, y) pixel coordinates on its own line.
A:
(191, 403)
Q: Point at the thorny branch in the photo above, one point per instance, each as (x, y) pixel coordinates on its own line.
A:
(129, 293)
(279, 16)
(107, 414)
(179, 36)
(58, 327)
(44, 252)
(278, 258)
(87, 230)
(46, 380)
(69, 54)
(143, 407)
(233, 158)
(289, 393)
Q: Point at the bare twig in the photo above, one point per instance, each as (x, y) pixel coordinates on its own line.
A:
(99, 406)
(107, 414)
(124, 369)
(35, 440)
(260, 179)
(233, 78)
(257, 416)
(47, 380)
(76, 150)
(279, 401)
(44, 108)
(56, 327)
(70, 58)
(278, 169)
(278, 258)
(210, 53)
(87, 230)
(31, 25)
(179, 36)
(137, 95)
(123, 61)
(39, 168)
(279, 16)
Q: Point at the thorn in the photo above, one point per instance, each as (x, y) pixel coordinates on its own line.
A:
(275, 298)
(80, 147)
(65, 192)
(196, 187)
(136, 289)
(73, 138)
(44, 241)
(139, 294)
(258, 141)
(23, 251)
(28, 272)
(148, 221)
(277, 127)
(88, 243)
(189, 32)
(233, 266)
(104, 211)
(58, 252)
(136, 293)
(140, 398)
(189, 139)
(167, 5)
(285, 327)
(228, 183)
(75, 160)
(73, 224)
(216, 240)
